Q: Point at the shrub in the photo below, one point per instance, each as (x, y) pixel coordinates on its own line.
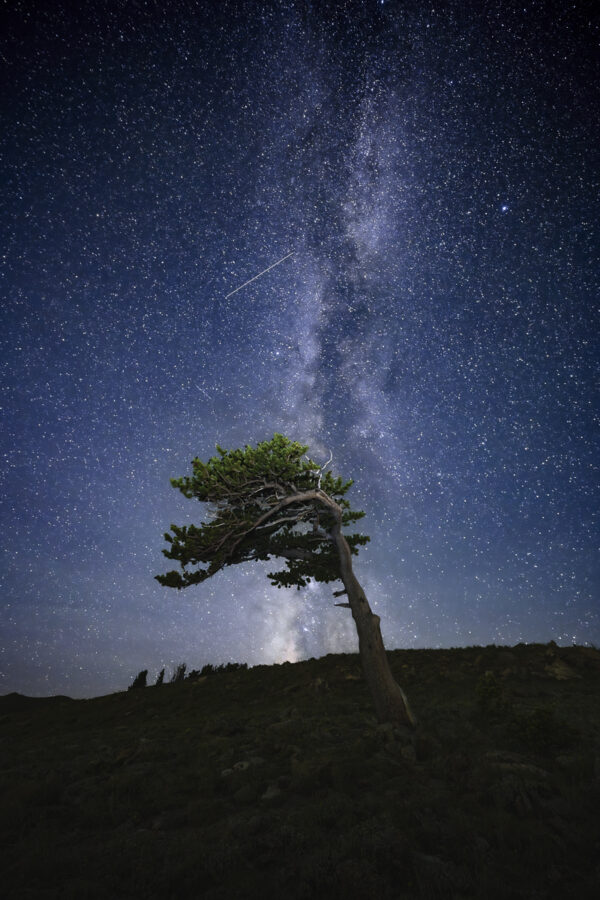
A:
(491, 699)
(541, 729)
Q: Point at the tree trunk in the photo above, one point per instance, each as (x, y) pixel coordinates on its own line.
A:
(390, 701)
(389, 698)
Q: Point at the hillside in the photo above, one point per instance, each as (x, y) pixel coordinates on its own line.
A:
(277, 781)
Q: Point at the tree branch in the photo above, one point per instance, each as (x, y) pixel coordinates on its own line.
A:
(318, 495)
(278, 522)
(321, 469)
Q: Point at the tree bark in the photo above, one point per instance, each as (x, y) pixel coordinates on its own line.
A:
(390, 700)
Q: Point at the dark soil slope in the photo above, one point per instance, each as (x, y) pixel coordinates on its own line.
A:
(278, 782)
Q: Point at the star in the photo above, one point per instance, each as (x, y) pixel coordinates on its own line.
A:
(223, 226)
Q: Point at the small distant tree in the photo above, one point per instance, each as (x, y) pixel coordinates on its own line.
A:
(161, 677)
(273, 501)
(207, 669)
(179, 673)
(194, 675)
(140, 680)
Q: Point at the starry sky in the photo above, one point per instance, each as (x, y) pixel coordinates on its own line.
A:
(434, 170)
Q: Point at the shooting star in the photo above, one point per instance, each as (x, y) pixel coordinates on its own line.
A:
(268, 269)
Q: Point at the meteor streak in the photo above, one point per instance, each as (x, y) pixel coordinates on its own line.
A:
(250, 280)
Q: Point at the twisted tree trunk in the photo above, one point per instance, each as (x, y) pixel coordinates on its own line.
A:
(390, 701)
(389, 698)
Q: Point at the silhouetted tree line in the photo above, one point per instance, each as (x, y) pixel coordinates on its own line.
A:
(179, 674)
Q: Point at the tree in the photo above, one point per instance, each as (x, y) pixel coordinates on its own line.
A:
(273, 501)
(179, 673)
(139, 681)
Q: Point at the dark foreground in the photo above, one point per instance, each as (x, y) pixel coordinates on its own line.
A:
(277, 782)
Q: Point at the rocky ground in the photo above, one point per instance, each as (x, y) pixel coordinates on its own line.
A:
(277, 781)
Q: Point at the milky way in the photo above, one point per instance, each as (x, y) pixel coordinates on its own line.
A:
(434, 171)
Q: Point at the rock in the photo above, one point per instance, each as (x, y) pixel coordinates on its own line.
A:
(273, 792)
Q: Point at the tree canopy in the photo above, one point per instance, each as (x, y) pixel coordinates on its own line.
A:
(265, 501)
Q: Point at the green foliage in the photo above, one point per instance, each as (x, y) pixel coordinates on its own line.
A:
(139, 681)
(266, 501)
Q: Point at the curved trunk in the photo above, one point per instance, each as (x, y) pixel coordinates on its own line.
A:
(389, 698)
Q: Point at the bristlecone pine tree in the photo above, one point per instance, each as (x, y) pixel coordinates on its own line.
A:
(273, 501)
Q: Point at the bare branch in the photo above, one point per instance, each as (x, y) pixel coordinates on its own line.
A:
(267, 486)
(297, 518)
(320, 496)
(343, 604)
(322, 469)
(339, 594)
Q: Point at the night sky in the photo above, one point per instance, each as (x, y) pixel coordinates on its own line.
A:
(434, 169)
